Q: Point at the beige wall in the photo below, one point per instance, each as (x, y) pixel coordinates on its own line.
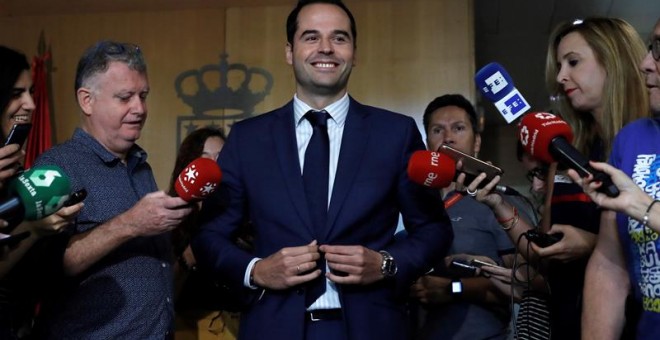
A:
(408, 52)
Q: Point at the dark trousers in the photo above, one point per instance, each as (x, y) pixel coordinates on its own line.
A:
(325, 330)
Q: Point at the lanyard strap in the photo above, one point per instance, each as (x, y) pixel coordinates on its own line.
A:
(452, 200)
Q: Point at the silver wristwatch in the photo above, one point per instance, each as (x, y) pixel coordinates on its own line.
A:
(388, 267)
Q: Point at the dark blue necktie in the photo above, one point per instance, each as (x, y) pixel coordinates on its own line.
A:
(315, 177)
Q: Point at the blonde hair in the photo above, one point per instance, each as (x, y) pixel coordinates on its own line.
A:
(619, 49)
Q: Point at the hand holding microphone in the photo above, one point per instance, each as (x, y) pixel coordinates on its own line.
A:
(632, 200)
(438, 169)
(157, 212)
(548, 138)
(35, 194)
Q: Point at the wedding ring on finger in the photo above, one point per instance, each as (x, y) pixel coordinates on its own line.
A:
(471, 193)
(298, 269)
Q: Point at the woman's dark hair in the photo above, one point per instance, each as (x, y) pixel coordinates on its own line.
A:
(192, 148)
(12, 64)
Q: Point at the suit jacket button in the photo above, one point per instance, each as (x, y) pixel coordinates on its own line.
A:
(300, 291)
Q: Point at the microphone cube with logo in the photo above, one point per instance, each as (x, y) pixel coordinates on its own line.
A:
(198, 180)
(42, 190)
(496, 85)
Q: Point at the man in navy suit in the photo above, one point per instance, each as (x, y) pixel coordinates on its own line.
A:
(345, 277)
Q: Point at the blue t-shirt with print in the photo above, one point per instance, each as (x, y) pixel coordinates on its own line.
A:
(636, 151)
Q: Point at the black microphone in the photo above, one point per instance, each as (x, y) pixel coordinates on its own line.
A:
(548, 138)
(502, 189)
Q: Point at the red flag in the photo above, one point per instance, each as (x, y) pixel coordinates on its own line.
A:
(40, 138)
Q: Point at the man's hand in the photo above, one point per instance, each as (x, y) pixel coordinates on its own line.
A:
(628, 190)
(155, 214)
(56, 222)
(575, 244)
(431, 290)
(288, 267)
(353, 264)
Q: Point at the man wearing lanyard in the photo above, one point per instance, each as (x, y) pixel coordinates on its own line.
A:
(461, 305)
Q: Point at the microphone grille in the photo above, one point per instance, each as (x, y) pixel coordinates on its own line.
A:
(198, 179)
(431, 169)
(537, 130)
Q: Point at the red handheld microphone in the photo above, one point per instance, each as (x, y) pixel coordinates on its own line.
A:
(548, 138)
(432, 169)
(536, 132)
(198, 180)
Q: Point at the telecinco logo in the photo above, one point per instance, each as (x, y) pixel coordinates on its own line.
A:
(191, 174)
(208, 188)
(524, 136)
(44, 178)
(545, 115)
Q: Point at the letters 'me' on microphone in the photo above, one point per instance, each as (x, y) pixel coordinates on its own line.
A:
(431, 169)
(547, 138)
(496, 85)
(198, 179)
(35, 194)
(437, 170)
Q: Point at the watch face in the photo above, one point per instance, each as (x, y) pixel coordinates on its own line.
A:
(456, 287)
(388, 267)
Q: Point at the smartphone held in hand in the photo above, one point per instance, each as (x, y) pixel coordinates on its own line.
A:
(18, 134)
(471, 165)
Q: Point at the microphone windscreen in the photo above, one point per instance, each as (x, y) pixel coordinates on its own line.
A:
(198, 179)
(431, 169)
(493, 82)
(42, 190)
(536, 132)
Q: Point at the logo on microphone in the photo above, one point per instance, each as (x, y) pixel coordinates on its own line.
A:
(512, 106)
(495, 83)
(44, 178)
(191, 174)
(198, 179)
(545, 115)
(524, 135)
(208, 189)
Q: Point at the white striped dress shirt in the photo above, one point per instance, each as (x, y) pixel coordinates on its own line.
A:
(338, 112)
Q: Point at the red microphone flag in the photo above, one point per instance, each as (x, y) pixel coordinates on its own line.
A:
(536, 132)
(198, 180)
(431, 169)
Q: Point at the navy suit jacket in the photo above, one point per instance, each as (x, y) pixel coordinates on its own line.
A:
(262, 176)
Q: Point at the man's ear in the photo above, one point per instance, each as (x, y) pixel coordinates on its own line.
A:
(477, 144)
(85, 99)
(355, 58)
(289, 53)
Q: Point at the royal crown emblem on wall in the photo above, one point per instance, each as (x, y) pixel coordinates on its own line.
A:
(220, 94)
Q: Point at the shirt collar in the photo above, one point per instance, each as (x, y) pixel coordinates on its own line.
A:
(136, 154)
(337, 110)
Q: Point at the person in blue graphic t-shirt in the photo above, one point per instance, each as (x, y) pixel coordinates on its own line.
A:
(626, 256)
